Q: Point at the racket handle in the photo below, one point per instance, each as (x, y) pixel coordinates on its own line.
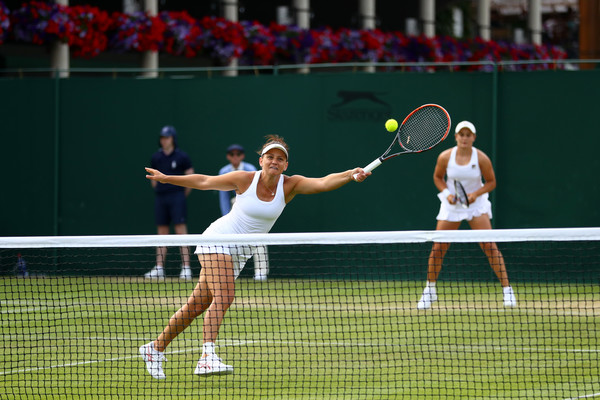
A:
(376, 163)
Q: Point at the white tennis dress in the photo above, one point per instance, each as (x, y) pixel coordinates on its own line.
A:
(249, 214)
(470, 177)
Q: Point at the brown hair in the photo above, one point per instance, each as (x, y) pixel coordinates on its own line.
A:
(274, 139)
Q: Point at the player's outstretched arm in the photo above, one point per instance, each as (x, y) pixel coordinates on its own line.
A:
(230, 181)
(304, 185)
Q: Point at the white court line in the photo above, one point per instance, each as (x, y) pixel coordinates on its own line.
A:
(307, 343)
(23, 306)
(247, 342)
(75, 364)
(585, 396)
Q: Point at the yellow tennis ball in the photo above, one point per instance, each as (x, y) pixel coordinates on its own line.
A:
(391, 125)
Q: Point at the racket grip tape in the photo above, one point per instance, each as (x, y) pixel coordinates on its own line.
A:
(376, 163)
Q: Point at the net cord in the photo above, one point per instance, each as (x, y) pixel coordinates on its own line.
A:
(306, 238)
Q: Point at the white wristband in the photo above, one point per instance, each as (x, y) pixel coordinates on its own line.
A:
(445, 193)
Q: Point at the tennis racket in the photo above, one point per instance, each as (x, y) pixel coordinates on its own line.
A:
(461, 194)
(421, 130)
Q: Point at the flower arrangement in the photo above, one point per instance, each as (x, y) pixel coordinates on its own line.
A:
(292, 44)
(222, 39)
(260, 44)
(90, 31)
(182, 35)
(135, 32)
(38, 22)
(88, 38)
(4, 21)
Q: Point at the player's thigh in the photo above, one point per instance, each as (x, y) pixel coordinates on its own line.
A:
(219, 277)
(480, 222)
(439, 249)
(218, 274)
(447, 225)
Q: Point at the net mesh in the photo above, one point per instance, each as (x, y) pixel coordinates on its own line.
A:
(336, 318)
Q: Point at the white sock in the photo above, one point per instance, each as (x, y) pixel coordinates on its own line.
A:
(159, 267)
(430, 286)
(154, 347)
(185, 266)
(208, 349)
(507, 289)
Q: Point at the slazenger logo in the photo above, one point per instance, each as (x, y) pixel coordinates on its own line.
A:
(359, 106)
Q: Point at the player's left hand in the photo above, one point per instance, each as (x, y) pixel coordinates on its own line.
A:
(155, 175)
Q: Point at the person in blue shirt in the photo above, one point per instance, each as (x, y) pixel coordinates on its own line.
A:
(170, 206)
(235, 156)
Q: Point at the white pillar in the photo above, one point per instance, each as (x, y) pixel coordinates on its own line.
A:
(483, 19)
(535, 21)
(519, 36)
(230, 12)
(150, 57)
(283, 15)
(302, 12)
(130, 6)
(367, 16)
(428, 17)
(411, 27)
(59, 57)
(457, 22)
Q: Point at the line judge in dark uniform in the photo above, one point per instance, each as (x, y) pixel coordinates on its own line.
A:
(170, 206)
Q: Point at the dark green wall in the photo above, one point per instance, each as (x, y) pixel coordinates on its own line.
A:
(106, 130)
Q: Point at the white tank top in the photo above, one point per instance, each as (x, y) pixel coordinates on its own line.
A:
(469, 175)
(249, 214)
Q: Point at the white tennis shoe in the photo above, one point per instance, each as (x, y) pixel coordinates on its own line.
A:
(510, 300)
(186, 273)
(212, 365)
(427, 298)
(155, 273)
(153, 359)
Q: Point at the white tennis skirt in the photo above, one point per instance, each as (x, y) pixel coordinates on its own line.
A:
(456, 213)
(239, 254)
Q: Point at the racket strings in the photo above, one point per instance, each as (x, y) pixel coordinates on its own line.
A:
(424, 128)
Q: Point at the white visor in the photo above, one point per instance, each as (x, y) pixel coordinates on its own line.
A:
(275, 146)
(465, 124)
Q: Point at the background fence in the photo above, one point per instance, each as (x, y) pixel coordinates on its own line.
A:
(75, 149)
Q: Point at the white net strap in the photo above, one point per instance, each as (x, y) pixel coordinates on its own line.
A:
(495, 235)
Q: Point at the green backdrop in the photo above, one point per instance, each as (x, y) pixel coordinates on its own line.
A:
(75, 149)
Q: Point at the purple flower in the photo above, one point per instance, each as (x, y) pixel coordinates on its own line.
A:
(4, 21)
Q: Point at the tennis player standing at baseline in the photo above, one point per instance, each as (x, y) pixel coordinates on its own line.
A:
(468, 165)
(261, 198)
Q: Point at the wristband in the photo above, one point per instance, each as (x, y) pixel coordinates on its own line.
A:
(445, 193)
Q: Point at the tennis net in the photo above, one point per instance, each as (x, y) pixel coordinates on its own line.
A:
(339, 316)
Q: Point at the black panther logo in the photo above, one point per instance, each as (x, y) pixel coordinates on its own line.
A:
(359, 106)
(350, 96)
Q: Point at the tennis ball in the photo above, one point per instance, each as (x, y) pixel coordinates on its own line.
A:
(391, 125)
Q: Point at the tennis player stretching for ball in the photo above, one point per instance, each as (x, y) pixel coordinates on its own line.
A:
(468, 165)
(261, 198)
